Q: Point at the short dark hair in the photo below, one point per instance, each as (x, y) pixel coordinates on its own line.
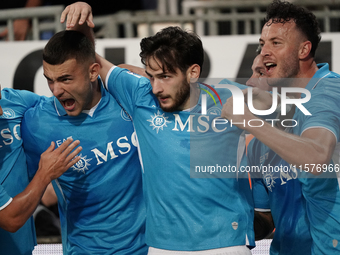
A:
(281, 12)
(174, 48)
(68, 44)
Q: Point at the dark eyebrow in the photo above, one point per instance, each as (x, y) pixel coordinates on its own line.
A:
(270, 39)
(64, 77)
(148, 74)
(157, 75)
(59, 78)
(275, 38)
(47, 77)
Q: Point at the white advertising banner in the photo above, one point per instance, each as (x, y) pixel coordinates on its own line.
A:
(226, 57)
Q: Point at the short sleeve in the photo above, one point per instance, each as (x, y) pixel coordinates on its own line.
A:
(5, 199)
(128, 88)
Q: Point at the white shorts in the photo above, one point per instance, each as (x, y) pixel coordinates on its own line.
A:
(234, 250)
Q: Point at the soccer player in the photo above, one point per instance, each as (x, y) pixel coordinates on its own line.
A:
(280, 192)
(288, 42)
(258, 78)
(18, 196)
(100, 199)
(190, 210)
(277, 195)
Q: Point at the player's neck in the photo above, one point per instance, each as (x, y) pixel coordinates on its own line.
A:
(307, 69)
(193, 98)
(306, 72)
(96, 95)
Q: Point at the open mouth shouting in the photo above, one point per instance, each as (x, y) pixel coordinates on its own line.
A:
(270, 67)
(68, 104)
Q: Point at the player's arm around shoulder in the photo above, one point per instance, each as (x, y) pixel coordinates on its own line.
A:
(314, 146)
(25, 98)
(135, 69)
(79, 17)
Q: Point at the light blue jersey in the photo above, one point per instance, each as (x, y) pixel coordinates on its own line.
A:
(322, 192)
(196, 199)
(13, 169)
(100, 198)
(276, 187)
(5, 199)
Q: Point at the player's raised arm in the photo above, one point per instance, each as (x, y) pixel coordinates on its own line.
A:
(79, 17)
(77, 13)
(134, 69)
(317, 144)
(105, 66)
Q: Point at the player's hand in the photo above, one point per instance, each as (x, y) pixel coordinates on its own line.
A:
(54, 162)
(261, 99)
(242, 119)
(77, 13)
(239, 120)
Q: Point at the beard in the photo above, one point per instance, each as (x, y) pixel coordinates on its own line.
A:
(180, 98)
(285, 77)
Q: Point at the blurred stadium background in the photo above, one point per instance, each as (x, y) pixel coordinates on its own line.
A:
(205, 17)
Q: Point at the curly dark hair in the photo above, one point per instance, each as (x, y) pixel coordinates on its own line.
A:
(174, 48)
(281, 12)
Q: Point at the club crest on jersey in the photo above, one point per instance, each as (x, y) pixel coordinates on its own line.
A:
(269, 180)
(8, 113)
(214, 111)
(82, 165)
(158, 121)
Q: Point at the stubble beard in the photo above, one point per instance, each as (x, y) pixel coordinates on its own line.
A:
(181, 97)
(287, 74)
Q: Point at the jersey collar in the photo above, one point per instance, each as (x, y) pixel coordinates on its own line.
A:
(323, 72)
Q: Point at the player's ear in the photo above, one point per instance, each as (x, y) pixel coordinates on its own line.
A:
(94, 71)
(193, 73)
(305, 49)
